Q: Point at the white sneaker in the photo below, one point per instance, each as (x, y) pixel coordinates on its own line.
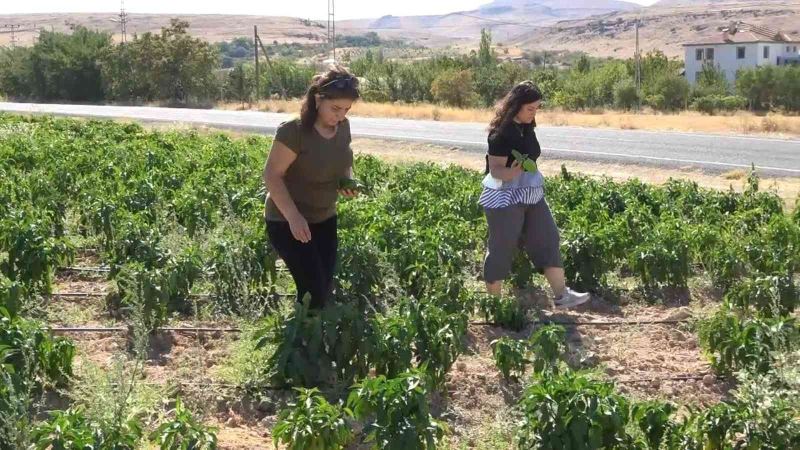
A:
(571, 299)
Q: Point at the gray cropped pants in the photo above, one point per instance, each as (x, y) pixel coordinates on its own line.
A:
(528, 227)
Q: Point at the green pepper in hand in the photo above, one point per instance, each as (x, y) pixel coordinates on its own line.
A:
(352, 184)
(528, 165)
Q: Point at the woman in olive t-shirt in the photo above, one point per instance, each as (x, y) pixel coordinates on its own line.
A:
(308, 158)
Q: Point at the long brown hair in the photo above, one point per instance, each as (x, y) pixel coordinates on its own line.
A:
(349, 89)
(522, 94)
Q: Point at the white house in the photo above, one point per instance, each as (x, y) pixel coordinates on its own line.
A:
(740, 46)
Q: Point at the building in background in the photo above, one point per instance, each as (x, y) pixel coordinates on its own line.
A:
(740, 46)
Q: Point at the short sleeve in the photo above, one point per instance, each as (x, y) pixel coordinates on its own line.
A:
(499, 145)
(346, 129)
(288, 134)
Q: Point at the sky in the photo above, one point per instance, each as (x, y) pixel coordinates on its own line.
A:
(311, 9)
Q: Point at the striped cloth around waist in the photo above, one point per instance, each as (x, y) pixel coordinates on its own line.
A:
(500, 198)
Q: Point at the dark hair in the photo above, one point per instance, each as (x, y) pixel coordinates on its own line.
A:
(507, 108)
(334, 84)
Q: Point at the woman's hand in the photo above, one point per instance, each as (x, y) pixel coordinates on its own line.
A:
(299, 227)
(498, 169)
(350, 193)
(515, 170)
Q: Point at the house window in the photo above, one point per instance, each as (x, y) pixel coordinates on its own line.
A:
(699, 54)
(710, 54)
(766, 52)
(788, 49)
(740, 52)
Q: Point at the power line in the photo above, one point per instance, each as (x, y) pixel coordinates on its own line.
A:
(638, 57)
(123, 21)
(332, 27)
(501, 22)
(13, 29)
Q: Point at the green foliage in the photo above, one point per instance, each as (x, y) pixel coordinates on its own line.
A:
(510, 356)
(588, 247)
(33, 252)
(486, 55)
(184, 432)
(59, 67)
(770, 87)
(503, 311)
(625, 95)
(710, 104)
(454, 88)
(712, 82)
(391, 343)
(12, 296)
(171, 66)
(311, 423)
(733, 344)
(768, 296)
(72, 430)
(663, 257)
(669, 92)
(571, 411)
(402, 418)
(34, 359)
(438, 339)
(548, 346)
(324, 347)
(654, 419)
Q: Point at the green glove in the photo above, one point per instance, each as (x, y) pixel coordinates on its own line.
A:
(528, 165)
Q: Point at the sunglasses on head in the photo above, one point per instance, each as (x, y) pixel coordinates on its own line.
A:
(340, 83)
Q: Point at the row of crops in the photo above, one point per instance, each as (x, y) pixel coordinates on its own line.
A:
(179, 213)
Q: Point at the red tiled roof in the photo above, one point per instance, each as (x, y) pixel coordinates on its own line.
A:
(740, 33)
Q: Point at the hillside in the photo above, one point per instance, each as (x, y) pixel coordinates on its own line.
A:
(665, 26)
(600, 28)
(506, 19)
(212, 28)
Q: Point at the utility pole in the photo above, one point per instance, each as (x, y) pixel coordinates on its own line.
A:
(258, 72)
(122, 20)
(332, 27)
(13, 30)
(638, 57)
(258, 43)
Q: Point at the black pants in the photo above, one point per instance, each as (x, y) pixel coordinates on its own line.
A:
(311, 264)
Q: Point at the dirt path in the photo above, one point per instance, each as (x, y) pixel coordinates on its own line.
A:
(477, 402)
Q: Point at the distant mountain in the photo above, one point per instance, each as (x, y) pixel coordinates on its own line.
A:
(211, 27)
(597, 27)
(506, 18)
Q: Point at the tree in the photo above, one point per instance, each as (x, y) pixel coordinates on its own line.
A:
(625, 95)
(669, 93)
(239, 84)
(169, 66)
(16, 72)
(789, 88)
(583, 65)
(486, 55)
(712, 81)
(493, 82)
(454, 87)
(770, 87)
(64, 66)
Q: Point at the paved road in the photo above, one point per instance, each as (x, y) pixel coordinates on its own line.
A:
(715, 153)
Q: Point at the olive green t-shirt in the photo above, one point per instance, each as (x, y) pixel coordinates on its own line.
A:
(313, 178)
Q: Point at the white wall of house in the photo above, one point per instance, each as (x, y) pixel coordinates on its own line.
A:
(730, 58)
